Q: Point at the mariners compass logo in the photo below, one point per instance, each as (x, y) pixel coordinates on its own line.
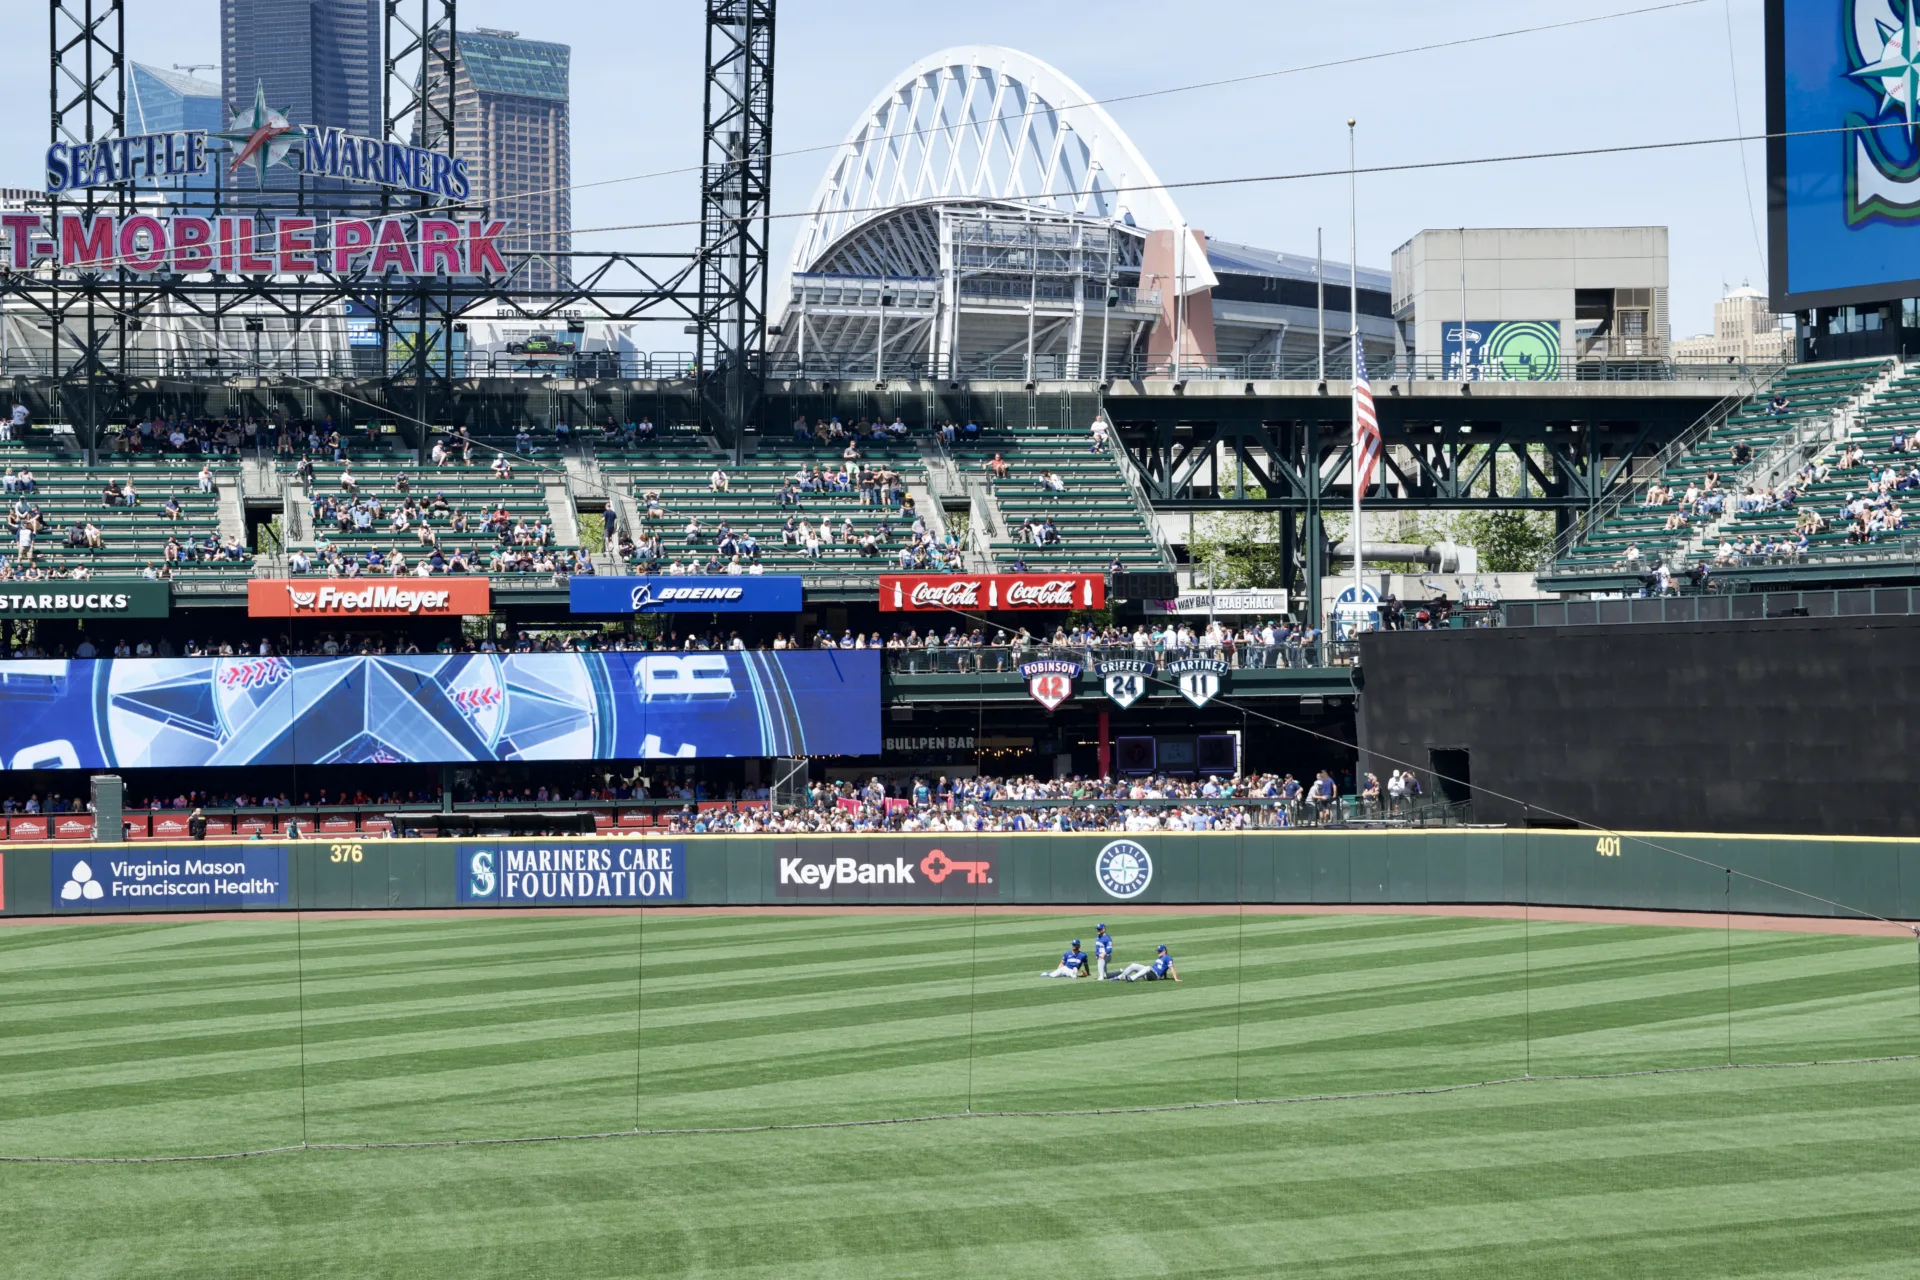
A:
(1882, 40)
(260, 137)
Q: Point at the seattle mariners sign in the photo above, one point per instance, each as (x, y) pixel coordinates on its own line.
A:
(1199, 679)
(1050, 680)
(1125, 679)
(510, 875)
(1124, 869)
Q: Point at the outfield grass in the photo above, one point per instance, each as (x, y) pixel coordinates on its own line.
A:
(164, 1038)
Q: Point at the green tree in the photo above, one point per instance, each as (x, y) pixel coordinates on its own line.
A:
(1508, 541)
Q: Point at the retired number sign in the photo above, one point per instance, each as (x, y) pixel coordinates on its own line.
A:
(1050, 680)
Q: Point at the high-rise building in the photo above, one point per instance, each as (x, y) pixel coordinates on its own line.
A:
(160, 101)
(1745, 331)
(319, 60)
(510, 126)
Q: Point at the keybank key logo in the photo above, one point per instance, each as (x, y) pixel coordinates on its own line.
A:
(1124, 869)
(81, 885)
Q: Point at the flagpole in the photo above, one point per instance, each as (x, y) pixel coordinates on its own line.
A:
(1353, 320)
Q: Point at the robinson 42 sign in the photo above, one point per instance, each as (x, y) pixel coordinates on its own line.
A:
(1050, 680)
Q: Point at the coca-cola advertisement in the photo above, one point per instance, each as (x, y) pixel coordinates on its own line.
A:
(990, 592)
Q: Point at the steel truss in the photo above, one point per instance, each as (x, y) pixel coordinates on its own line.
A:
(736, 182)
(99, 364)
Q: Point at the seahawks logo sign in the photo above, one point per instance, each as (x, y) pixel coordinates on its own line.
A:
(1198, 679)
(1125, 679)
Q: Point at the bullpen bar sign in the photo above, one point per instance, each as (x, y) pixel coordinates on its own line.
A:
(367, 597)
(910, 592)
(512, 875)
(241, 875)
(97, 599)
(743, 593)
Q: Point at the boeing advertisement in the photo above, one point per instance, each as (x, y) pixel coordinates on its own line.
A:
(736, 593)
(190, 712)
(1843, 151)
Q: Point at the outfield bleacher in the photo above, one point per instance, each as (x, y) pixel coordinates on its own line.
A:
(68, 492)
(1814, 392)
(1098, 517)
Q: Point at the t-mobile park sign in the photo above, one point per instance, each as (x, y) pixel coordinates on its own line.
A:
(145, 244)
(908, 592)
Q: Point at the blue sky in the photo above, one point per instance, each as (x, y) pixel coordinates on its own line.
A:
(636, 108)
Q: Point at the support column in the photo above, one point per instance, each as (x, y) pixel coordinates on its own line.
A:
(1106, 747)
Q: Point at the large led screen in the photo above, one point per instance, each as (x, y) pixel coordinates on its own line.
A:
(1843, 153)
(175, 712)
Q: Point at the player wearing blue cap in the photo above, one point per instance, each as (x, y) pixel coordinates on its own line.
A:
(1072, 965)
(1161, 968)
(1102, 950)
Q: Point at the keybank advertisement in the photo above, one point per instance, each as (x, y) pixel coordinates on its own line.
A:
(1843, 160)
(99, 879)
(568, 874)
(193, 712)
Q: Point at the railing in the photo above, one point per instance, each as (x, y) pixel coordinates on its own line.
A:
(1004, 658)
(1702, 427)
(1123, 462)
(1274, 813)
(1716, 606)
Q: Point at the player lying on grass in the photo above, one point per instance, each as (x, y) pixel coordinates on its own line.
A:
(1072, 965)
(1162, 967)
(1102, 950)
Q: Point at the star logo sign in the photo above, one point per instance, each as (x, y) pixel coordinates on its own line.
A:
(259, 136)
(1895, 75)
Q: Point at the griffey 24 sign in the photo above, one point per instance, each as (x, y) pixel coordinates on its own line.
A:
(910, 592)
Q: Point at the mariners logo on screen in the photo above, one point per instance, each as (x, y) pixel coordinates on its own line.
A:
(481, 881)
(1124, 869)
(1050, 680)
(1198, 678)
(1882, 39)
(1125, 679)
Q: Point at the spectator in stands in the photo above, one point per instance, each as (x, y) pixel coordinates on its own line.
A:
(205, 479)
(27, 485)
(971, 431)
(171, 508)
(1100, 436)
(997, 470)
(1777, 405)
(720, 482)
(501, 467)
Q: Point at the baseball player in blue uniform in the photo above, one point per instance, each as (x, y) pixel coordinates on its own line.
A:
(1102, 950)
(1072, 965)
(1161, 968)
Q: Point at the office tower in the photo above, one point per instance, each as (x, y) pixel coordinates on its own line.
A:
(319, 60)
(510, 126)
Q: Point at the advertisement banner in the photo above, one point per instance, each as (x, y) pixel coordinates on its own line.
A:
(878, 870)
(98, 598)
(1270, 602)
(442, 597)
(420, 708)
(745, 593)
(1502, 350)
(911, 592)
(572, 874)
(101, 879)
(1843, 158)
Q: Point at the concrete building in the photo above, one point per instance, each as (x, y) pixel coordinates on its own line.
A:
(1529, 303)
(1745, 331)
(510, 124)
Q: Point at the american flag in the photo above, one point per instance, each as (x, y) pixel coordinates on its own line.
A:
(1366, 426)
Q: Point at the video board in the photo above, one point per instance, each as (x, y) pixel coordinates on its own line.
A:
(192, 712)
(1843, 151)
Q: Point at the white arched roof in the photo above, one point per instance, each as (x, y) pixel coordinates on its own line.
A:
(981, 122)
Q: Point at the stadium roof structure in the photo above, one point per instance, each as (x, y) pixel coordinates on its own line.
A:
(986, 217)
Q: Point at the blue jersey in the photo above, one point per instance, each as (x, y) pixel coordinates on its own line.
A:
(1074, 959)
(1103, 946)
(1161, 964)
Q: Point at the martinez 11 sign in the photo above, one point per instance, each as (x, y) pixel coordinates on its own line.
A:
(363, 597)
(145, 244)
(579, 873)
(909, 592)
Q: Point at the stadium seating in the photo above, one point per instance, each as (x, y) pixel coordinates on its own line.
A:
(69, 493)
(1813, 393)
(1097, 515)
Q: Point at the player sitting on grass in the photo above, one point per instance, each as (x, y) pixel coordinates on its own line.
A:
(1102, 950)
(1162, 967)
(1072, 965)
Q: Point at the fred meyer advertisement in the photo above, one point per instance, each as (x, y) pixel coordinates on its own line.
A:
(211, 876)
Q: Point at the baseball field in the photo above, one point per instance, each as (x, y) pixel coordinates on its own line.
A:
(1418, 1095)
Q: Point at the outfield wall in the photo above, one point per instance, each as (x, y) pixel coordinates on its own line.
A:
(1666, 872)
